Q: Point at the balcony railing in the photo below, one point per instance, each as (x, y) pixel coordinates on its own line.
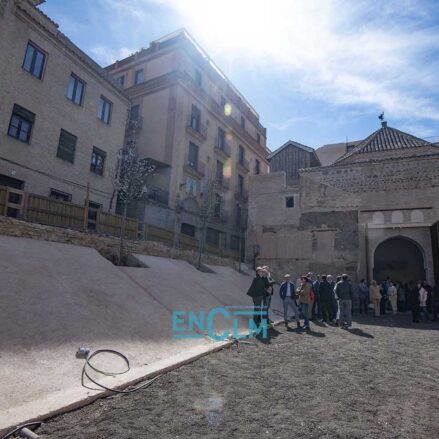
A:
(194, 166)
(195, 126)
(157, 195)
(223, 148)
(243, 165)
(241, 194)
(221, 217)
(134, 124)
(223, 182)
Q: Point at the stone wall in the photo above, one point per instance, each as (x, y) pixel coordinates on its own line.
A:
(107, 246)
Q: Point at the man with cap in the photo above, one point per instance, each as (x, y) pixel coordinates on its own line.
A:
(257, 293)
(344, 292)
(287, 294)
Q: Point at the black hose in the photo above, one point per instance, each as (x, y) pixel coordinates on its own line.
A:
(125, 359)
(11, 433)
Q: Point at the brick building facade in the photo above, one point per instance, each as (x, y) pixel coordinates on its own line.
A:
(62, 117)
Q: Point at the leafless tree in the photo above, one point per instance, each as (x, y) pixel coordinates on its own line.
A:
(206, 209)
(130, 182)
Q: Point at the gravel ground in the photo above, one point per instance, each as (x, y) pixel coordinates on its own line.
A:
(378, 380)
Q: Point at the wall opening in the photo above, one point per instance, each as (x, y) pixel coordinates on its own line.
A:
(400, 259)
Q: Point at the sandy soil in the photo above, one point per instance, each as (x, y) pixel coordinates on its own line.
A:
(379, 380)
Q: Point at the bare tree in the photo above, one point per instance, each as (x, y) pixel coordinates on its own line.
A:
(206, 209)
(130, 182)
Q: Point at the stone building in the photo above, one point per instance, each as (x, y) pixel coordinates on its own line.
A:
(372, 213)
(190, 121)
(62, 117)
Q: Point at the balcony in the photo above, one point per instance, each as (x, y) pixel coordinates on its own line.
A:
(241, 195)
(195, 127)
(194, 167)
(223, 182)
(243, 165)
(221, 217)
(134, 125)
(157, 195)
(223, 148)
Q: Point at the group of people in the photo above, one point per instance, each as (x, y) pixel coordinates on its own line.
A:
(418, 297)
(332, 301)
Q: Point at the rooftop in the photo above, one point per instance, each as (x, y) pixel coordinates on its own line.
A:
(386, 139)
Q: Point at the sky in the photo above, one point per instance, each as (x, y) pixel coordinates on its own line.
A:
(317, 72)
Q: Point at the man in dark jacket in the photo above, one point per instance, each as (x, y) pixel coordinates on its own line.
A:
(257, 293)
(344, 292)
(325, 295)
(287, 292)
(413, 296)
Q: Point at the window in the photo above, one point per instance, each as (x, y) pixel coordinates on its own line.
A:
(258, 138)
(20, 125)
(242, 122)
(104, 111)
(59, 195)
(193, 155)
(135, 112)
(257, 167)
(34, 60)
(212, 237)
(234, 242)
(221, 138)
(187, 229)
(241, 155)
(240, 184)
(219, 171)
(66, 146)
(191, 186)
(75, 89)
(97, 161)
(198, 78)
(195, 117)
(139, 76)
(217, 206)
(238, 215)
(289, 202)
(121, 80)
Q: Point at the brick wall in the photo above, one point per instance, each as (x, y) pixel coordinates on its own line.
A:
(107, 246)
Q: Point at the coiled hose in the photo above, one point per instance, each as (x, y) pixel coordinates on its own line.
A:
(124, 358)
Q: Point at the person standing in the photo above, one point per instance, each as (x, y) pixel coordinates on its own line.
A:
(287, 292)
(325, 295)
(316, 311)
(303, 294)
(375, 297)
(392, 293)
(401, 297)
(309, 278)
(435, 302)
(423, 297)
(257, 293)
(344, 292)
(334, 304)
(383, 302)
(363, 293)
(269, 285)
(413, 296)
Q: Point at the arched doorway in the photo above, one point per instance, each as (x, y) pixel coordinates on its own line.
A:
(400, 259)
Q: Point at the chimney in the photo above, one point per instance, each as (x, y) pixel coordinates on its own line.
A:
(384, 124)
